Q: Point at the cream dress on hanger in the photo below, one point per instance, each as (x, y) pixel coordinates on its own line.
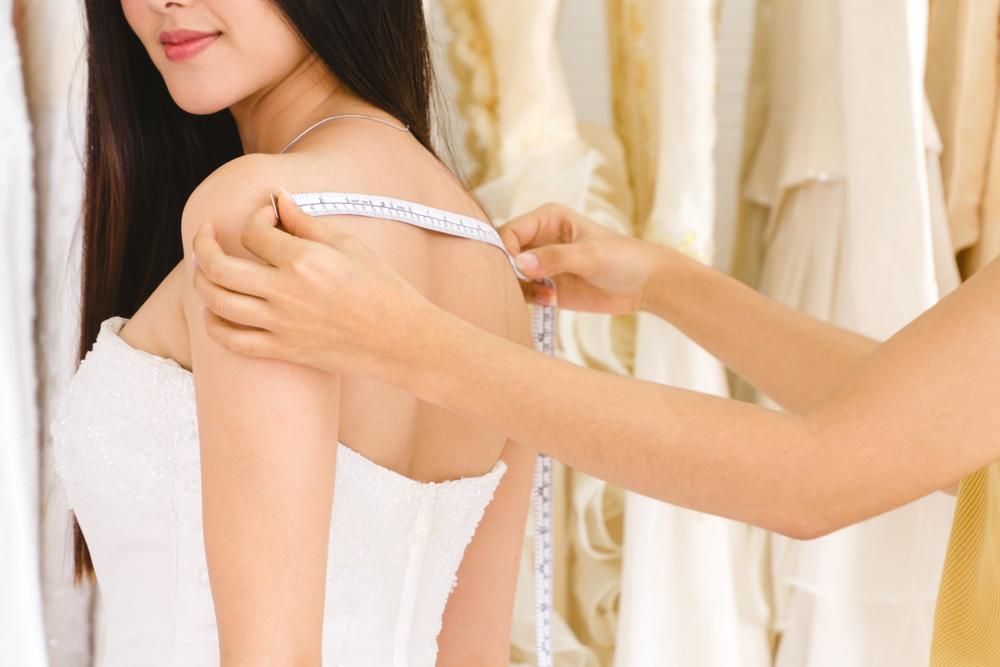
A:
(962, 84)
(687, 581)
(848, 212)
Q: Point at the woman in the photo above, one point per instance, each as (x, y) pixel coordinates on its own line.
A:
(871, 427)
(196, 108)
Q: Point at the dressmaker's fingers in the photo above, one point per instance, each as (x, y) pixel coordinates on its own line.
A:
(232, 306)
(265, 241)
(551, 260)
(547, 224)
(233, 273)
(250, 342)
(316, 229)
(308, 228)
(538, 294)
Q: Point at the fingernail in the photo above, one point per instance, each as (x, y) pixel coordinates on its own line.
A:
(526, 261)
(546, 298)
(285, 192)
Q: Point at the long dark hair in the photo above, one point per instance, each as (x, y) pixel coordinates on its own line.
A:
(145, 155)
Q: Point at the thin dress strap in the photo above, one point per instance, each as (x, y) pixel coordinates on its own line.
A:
(343, 116)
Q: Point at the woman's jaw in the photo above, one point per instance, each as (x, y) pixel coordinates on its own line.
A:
(212, 54)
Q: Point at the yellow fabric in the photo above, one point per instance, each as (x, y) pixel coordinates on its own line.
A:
(967, 626)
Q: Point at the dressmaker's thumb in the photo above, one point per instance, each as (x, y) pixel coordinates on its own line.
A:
(551, 260)
(300, 224)
(289, 212)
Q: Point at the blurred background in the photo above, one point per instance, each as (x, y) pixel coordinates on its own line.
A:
(835, 154)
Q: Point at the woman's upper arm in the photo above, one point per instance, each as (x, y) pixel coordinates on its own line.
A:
(477, 621)
(922, 414)
(269, 433)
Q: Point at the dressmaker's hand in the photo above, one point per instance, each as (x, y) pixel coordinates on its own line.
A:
(595, 269)
(322, 298)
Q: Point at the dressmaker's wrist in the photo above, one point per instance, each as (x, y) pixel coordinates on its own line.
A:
(659, 286)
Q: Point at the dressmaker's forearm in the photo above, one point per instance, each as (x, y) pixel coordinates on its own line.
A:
(802, 476)
(693, 450)
(796, 360)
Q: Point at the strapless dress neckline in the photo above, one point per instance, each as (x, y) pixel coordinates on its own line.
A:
(111, 331)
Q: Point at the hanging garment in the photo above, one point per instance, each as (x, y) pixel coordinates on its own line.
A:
(686, 597)
(21, 629)
(962, 84)
(524, 148)
(56, 77)
(735, 47)
(846, 202)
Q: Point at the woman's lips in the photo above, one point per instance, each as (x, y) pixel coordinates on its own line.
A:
(183, 44)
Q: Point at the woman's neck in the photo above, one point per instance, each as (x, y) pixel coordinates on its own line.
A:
(271, 118)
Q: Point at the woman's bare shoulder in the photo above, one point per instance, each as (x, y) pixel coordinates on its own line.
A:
(232, 194)
(356, 157)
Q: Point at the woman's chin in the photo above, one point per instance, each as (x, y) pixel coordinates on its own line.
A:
(201, 107)
(200, 102)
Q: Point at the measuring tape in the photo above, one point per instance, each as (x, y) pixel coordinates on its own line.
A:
(543, 330)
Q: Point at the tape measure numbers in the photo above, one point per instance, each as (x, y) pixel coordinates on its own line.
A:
(543, 331)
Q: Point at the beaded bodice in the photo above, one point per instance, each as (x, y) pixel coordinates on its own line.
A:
(127, 450)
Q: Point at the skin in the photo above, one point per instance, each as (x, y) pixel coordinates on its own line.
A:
(872, 426)
(267, 427)
(17, 18)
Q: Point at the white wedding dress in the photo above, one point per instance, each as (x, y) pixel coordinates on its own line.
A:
(127, 450)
